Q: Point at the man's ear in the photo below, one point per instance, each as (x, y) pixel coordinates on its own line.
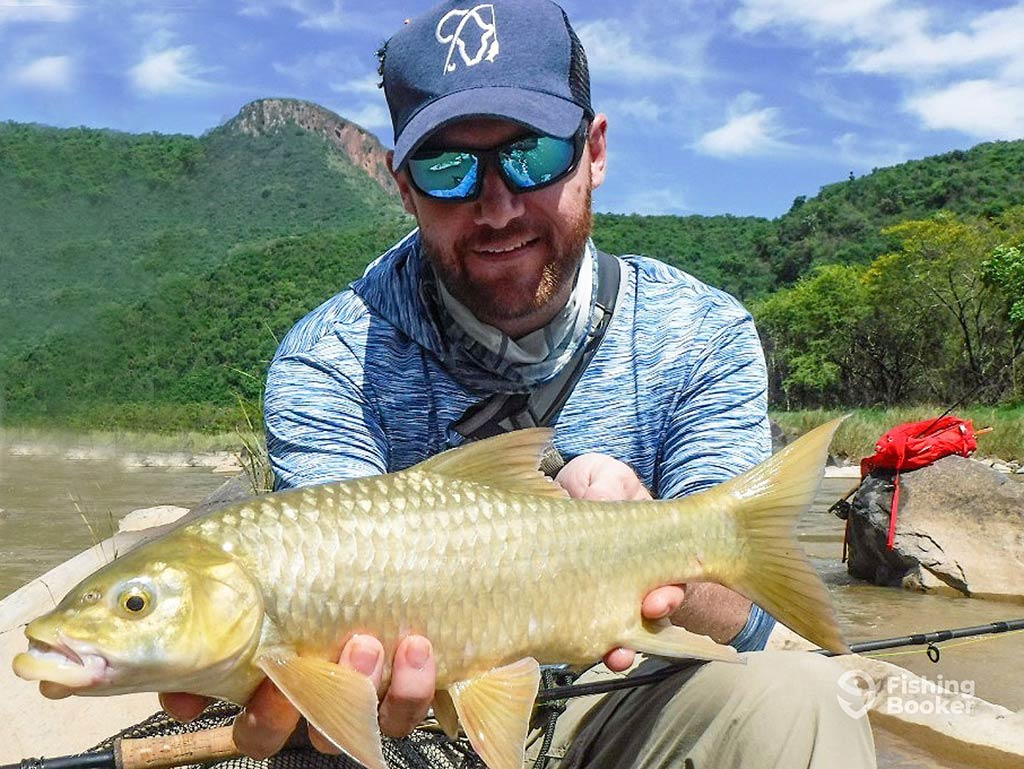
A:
(597, 144)
(404, 189)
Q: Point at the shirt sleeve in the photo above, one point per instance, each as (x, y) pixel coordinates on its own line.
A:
(718, 429)
(718, 426)
(320, 423)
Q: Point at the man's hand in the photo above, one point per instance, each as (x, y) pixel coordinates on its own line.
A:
(603, 478)
(269, 719)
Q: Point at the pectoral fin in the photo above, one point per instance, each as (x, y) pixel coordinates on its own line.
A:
(664, 639)
(341, 703)
(444, 712)
(495, 708)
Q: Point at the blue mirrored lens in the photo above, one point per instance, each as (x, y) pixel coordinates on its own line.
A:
(536, 160)
(445, 174)
(525, 163)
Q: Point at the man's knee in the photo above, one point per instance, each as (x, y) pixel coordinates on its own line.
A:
(782, 705)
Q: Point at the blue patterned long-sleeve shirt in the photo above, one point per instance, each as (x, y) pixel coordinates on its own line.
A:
(676, 390)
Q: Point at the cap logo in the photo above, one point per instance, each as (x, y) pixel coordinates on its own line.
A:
(474, 43)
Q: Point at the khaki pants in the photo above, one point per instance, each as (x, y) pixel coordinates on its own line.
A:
(779, 710)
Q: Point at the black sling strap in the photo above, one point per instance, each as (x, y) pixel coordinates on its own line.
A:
(504, 412)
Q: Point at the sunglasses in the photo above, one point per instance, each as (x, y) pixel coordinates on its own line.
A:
(525, 164)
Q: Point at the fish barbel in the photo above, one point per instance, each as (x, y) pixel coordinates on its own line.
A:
(473, 548)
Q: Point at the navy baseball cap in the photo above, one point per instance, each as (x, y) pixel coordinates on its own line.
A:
(514, 59)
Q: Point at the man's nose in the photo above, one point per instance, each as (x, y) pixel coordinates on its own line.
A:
(496, 205)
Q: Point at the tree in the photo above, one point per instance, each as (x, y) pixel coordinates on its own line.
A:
(811, 332)
(937, 272)
(1004, 272)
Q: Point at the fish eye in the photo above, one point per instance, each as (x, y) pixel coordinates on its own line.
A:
(135, 601)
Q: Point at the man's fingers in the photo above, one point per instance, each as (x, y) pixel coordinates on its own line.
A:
(619, 659)
(183, 707)
(364, 654)
(662, 602)
(413, 680)
(266, 723)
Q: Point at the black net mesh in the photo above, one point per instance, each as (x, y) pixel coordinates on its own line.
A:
(423, 749)
(579, 71)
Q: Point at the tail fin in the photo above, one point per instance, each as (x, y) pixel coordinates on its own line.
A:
(776, 575)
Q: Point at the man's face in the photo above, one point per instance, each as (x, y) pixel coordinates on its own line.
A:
(510, 258)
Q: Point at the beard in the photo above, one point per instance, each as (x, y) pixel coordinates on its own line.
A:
(522, 289)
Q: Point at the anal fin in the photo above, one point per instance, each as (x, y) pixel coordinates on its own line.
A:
(444, 712)
(495, 709)
(340, 702)
(663, 639)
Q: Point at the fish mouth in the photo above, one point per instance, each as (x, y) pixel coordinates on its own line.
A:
(60, 669)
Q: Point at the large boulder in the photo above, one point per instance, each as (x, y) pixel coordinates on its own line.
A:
(960, 526)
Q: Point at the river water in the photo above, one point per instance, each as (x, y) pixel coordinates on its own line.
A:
(47, 495)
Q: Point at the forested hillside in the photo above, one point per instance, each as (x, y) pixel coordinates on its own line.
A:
(844, 222)
(146, 280)
(95, 220)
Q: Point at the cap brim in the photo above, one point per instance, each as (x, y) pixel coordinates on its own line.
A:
(540, 111)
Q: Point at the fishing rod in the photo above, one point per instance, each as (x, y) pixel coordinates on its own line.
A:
(161, 752)
(918, 639)
(173, 750)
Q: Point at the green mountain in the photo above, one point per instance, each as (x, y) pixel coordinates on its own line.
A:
(843, 223)
(94, 219)
(145, 280)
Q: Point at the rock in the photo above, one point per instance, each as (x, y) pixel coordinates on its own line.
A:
(779, 437)
(266, 117)
(941, 718)
(148, 517)
(960, 527)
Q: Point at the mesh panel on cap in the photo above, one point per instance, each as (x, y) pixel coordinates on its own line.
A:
(579, 72)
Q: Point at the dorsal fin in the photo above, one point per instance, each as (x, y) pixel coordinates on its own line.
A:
(508, 461)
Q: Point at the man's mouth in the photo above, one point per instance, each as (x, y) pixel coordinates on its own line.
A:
(506, 248)
(59, 668)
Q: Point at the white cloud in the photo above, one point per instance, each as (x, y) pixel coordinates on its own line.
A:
(341, 67)
(987, 109)
(37, 10)
(750, 130)
(845, 102)
(368, 116)
(612, 53)
(820, 19)
(990, 37)
(865, 154)
(366, 85)
(644, 110)
(964, 70)
(315, 14)
(654, 202)
(173, 70)
(892, 37)
(52, 73)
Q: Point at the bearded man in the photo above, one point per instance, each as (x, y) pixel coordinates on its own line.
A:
(498, 312)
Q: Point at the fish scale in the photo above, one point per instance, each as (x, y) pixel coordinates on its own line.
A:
(474, 549)
(463, 536)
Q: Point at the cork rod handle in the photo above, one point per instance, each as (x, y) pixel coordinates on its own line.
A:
(176, 749)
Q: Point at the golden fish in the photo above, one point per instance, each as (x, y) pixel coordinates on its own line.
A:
(473, 548)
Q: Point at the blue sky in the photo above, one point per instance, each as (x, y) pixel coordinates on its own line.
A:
(714, 107)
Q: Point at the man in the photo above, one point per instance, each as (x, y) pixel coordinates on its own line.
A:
(497, 151)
